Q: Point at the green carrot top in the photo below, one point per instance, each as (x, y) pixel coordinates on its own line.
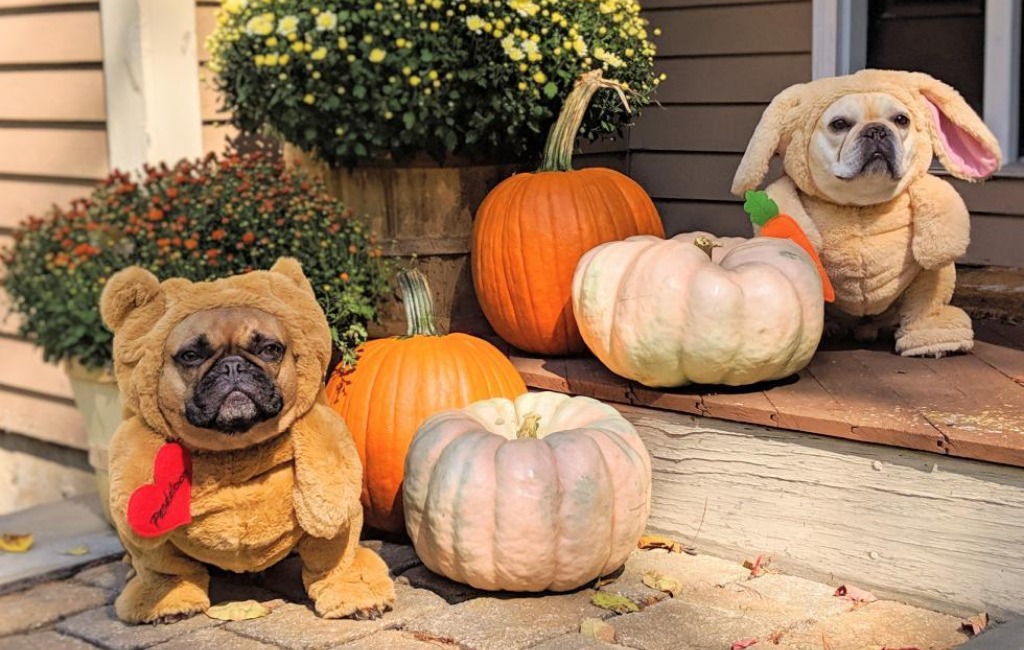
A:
(760, 207)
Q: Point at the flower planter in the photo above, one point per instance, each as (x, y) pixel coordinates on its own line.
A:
(99, 401)
(424, 212)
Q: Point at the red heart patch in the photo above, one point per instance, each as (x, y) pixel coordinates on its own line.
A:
(163, 505)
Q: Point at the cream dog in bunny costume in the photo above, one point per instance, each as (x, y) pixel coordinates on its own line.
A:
(856, 152)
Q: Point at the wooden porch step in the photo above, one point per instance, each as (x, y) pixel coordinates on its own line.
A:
(903, 475)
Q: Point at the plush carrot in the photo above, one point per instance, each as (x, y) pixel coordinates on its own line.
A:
(764, 212)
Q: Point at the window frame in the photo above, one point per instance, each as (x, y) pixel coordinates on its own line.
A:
(839, 46)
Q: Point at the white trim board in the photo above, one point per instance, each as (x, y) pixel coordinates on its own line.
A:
(941, 532)
(151, 71)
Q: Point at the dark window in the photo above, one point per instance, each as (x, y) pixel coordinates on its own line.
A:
(944, 38)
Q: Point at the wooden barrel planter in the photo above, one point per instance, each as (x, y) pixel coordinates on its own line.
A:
(423, 213)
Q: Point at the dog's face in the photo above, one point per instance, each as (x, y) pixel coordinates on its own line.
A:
(227, 378)
(861, 149)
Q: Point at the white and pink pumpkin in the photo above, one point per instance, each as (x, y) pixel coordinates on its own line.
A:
(548, 492)
(667, 312)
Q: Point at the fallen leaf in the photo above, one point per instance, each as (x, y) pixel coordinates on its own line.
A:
(595, 628)
(758, 567)
(77, 551)
(743, 643)
(243, 610)
(855, 594)
(660, 541)
(614, 602)
(975, 624)
(661, 582)
(16, 543)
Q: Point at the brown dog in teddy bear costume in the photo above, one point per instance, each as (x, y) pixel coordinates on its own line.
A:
(856, 152)
(229, 454)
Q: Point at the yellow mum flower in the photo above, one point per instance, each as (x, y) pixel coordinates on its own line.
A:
(475, 24)
(319, 54)
(414, 80)
(377, 55)
(234, 6)
(288, 25)
(539, 77)
(342, 43)
(310, 98)
(272, 41)
(326, 21)
(261, 25)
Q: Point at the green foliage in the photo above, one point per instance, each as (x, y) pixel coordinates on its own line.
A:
(354, 80)
(760, 207)
(199, 220)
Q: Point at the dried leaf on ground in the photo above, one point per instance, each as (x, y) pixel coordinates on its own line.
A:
(595, 628)
(614, 603)
(743, 643)
(12, 543)
(758, 567)
(243, 610)
(77, 551)
(660, 541)
(855, 594)
(975, 624)
(662, 582)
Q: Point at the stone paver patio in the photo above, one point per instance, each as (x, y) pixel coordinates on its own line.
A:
(718, 604)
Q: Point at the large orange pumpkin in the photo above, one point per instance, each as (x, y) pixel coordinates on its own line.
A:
(532, 229)
(399, 382)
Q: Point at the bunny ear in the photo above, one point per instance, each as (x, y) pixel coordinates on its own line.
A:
(776, 122)
(962, 142)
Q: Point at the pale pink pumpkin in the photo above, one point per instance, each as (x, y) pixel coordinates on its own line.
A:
(548, 492)
(667, 312)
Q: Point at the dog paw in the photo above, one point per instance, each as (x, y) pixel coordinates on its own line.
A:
(364, 590)
(160, 600)
(947, 331)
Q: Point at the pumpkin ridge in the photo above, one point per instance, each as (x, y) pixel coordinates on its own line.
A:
(511, 221)
(389, 366)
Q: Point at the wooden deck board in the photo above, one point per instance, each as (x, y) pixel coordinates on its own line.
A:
(969, 406)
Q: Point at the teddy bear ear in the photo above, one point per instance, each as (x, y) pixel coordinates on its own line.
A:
(126, 291)
(290, 268)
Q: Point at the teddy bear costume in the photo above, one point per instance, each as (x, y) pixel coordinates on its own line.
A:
(892, 260)
(250, 507)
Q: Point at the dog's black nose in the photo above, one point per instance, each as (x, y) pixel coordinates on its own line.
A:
(877, 132)
(232, 366)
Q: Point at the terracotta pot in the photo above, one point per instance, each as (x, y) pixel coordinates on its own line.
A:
(99, 401)
(424, 212)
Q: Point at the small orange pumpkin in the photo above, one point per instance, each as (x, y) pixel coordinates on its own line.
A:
(399, 382)
(532, 230)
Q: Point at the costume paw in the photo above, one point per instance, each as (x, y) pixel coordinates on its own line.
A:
(363, 591)
(946, 331)
(162, 599)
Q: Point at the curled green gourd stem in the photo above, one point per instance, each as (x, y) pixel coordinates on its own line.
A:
(529, 427)
(419, 303)
(562, 137)
(706, 244)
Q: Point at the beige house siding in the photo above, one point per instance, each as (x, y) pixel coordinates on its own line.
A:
(53, 147)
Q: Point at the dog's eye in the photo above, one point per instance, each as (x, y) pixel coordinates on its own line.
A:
(272, 352)
(189, 358)
(901, 120)
(839, 124)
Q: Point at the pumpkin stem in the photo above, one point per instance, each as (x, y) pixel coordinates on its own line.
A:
(419, 303)
(562, 137)
(529, 426)
(706, 244)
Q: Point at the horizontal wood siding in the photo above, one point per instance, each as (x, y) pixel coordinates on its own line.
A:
(725, 61)
(53, 148)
